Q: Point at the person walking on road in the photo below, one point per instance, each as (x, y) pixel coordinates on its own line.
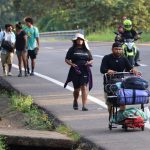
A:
(21, 48)
(80, 59)
(32, 43)
(115, 62)
(7, 39)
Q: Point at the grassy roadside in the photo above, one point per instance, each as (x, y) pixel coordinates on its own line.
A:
(35, 118)
(108, 36)
(100, 36)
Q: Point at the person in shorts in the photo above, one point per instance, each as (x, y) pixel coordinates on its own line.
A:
(80, 59)
(32, 43)
(21, 48)
(7, 55)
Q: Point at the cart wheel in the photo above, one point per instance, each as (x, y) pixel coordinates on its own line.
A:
(142, 128)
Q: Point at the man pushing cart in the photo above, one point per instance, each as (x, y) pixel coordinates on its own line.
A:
(112, 64)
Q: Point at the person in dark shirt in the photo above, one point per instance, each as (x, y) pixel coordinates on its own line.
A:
(130, 33)
(21, 46)
(120, 27)
(115, 62)
(80, 59)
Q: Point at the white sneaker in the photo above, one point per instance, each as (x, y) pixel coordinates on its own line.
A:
(9, 74)
(5, 73)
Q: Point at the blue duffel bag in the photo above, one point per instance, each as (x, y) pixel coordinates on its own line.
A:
(132, 96)
(134, 82)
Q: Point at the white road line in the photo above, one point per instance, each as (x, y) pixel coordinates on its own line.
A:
(99, 56)
(49, 47)
(91, 98)
(143, 65)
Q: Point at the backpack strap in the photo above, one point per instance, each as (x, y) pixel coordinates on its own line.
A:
(4, 35)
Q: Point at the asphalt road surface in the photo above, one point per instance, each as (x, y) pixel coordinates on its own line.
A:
(93, 125)
(51, 62)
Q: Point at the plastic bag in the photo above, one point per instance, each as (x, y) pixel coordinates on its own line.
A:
(147, 112)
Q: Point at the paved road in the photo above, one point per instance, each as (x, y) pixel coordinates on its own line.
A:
(46, 89)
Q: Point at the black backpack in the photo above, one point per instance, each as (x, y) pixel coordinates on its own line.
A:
(7, 45)
(134, 83)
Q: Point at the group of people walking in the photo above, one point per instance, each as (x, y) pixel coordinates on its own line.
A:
(24, 39)
(80, 60)
(26, 42)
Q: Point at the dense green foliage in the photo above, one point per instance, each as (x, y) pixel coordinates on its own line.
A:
(2, 143)
(90, 15)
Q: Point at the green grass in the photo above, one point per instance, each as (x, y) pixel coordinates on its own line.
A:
(21, 103)
(108, 36)
(2, 143)
(145, 37)
(64, 130)
(103, 36)
(38, 120)
(35, 117)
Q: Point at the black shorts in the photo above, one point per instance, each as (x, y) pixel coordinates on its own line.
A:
(32, 54)
(79, 80)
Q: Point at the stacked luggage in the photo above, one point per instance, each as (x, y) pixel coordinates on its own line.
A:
(125, 88)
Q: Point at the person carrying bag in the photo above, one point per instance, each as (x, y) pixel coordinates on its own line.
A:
(7, 49)
(7, 45)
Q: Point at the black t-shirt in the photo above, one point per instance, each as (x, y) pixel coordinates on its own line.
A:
(79, 56)
(118, 64)
(129, 34)
(20, 41)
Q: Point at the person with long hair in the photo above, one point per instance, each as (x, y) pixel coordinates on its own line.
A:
(21, 49)
(80, 59)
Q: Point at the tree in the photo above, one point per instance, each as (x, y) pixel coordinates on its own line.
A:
(6, 14)
(90, 15)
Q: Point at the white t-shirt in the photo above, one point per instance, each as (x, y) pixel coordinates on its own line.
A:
(9, 36)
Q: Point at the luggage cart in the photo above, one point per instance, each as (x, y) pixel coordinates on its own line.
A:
(110, 88)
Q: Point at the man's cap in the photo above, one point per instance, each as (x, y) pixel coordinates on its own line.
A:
(117, 44)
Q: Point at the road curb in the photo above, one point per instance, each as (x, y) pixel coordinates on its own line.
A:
(83, 142)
